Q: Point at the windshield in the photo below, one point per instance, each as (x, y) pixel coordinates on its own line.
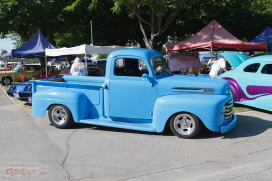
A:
(17, 68)
(159, 65)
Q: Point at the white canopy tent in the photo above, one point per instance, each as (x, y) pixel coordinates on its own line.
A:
(82, 49)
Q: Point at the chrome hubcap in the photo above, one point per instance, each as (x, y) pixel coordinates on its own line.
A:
(59, 115)
(184, 124)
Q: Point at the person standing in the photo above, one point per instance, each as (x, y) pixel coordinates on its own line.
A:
(218, 67)
(78, 68)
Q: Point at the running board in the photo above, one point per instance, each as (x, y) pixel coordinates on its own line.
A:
(118, 124)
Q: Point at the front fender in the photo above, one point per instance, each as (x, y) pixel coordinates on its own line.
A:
(235, 88)
(208, 108)
(75, 101)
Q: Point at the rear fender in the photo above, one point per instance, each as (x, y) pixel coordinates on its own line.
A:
(208, 108)
(77, 102)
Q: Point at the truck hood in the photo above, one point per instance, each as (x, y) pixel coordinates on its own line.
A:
(234, 58)
(183, 84)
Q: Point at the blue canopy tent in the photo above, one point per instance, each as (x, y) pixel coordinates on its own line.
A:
(265, 36)
(35, 47)
(206, 56)
(83, 60)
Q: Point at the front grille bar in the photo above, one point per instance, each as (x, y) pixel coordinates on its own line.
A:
(228, 109)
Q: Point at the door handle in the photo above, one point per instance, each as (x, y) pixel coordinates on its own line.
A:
(105, 86)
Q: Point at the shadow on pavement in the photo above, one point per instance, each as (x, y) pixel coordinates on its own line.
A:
(247, 126)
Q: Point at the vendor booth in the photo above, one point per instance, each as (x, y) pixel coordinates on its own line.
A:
(214, 37)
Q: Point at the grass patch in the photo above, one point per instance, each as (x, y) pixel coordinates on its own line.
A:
(241, 108)
(8, 86)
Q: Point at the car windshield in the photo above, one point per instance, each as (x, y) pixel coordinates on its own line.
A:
(17, 68)
(159, 65)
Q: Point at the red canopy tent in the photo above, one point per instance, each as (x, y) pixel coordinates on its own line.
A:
(214, 37)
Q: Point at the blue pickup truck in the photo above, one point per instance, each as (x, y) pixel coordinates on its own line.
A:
(137, 92)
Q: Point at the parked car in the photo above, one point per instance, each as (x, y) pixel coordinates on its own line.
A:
(9, 66)
(14, 75)
(23, 91)
(250, 81)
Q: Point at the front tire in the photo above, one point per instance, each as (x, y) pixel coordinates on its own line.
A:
(6, 81)
(60, 116)
(185, 125)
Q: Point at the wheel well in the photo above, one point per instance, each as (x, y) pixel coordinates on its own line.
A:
(181, 112)
(51, 106)
(59, 105)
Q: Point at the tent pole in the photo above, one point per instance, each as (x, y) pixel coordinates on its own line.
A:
(45, 66)
(86, 60)
(211, 52)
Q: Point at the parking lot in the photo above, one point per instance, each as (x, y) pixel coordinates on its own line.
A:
(87, 152)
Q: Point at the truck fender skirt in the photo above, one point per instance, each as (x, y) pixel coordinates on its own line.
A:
(208, 108)
(76, 101)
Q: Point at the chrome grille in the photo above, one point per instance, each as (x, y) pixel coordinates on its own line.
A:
(228, 109)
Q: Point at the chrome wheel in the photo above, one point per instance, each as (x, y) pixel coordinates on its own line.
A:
(60, 116)
(185, 125)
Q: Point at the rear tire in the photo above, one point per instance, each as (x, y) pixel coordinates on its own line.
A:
(60, 116)
(185, 125)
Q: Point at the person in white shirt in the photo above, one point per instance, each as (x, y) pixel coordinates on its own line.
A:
(78, 68)
(218, 67)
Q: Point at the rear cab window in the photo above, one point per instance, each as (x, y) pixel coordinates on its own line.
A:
(267, 69)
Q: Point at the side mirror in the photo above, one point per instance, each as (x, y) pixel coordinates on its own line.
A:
(146, 76)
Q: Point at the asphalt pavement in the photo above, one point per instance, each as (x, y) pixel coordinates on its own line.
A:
(32, 149)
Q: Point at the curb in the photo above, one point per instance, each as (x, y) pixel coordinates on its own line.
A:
(5, 92)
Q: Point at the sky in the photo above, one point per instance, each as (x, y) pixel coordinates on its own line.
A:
(6, 44)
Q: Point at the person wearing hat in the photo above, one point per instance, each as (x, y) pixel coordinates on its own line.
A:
(218, 67)
(78, 68)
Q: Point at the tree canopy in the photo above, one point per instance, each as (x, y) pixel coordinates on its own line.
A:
(150, 23)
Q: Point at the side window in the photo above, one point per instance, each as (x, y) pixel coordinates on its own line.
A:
(252, 67)
(142, 68)
(37, 68)
(267, 69)
(129, 67)
(25, 68)
(119, 67)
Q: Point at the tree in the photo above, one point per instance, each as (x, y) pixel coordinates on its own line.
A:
(239, 17)
(153, 16)
(2, 52)
(108, 28)
(26, 17)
